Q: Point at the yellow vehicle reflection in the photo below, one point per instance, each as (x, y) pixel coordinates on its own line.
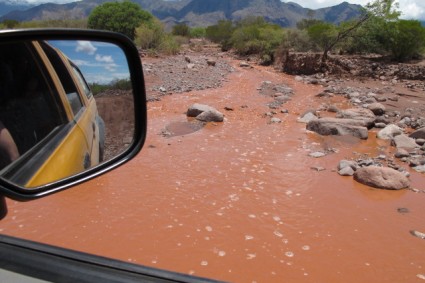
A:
(49, 110)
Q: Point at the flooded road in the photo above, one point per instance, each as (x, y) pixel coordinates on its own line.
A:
(238, 201)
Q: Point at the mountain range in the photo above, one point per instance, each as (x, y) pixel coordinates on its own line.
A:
(191, 12)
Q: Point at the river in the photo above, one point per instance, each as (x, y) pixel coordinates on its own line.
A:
(239, 201)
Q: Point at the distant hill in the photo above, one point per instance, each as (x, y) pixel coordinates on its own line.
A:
(7, 6)
(197, 12)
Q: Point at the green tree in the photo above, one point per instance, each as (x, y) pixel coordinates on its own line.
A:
(404, 39)
(121, 17)
(181, 29)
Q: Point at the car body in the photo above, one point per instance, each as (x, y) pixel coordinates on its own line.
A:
(53, 118)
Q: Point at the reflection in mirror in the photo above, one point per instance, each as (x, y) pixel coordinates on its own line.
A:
(65, 106)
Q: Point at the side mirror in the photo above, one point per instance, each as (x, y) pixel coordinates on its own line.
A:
(72, 107)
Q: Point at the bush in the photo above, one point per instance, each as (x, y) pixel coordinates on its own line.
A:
(198, 32)
(150, 35)
(322, 34)
(256, 36)
(169, 46)
(221, 33)
(181, 30)
(298, 40)
(118, 84)
(121, 17)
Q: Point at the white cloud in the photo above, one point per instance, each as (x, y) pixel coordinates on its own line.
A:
(86, 47)
(104, 59)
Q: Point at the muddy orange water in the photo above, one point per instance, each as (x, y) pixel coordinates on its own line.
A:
(238, 201)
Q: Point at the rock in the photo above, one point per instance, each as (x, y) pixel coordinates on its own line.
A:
(418, 134)
(205, 113)
(210, 116)
(197, 109)
(346, 171)
(419, 169)
(418, 234)
(211, 62)
(275, 120)
(338, 127)
(380, 125)
(162, 89)
(333, 109)
(317, 154)
(190, 66)
(347, 163)
(389, 132)
(420, 141)
(307, 118)
(187, 59)
(357, 114)
(229, 108)
(403, 141)
(381, 178)
(377, 108)
(318, 168)
(401, 153)
(244, 64)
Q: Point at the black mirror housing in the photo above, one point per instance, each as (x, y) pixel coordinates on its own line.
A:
(17, 191)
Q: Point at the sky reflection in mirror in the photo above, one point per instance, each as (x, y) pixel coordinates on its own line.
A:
(100, 62)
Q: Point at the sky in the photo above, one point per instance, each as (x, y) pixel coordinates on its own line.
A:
(411, 9)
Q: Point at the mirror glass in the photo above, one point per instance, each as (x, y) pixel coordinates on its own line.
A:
(66, 106)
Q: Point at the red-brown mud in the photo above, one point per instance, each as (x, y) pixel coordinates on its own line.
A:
(238, 201)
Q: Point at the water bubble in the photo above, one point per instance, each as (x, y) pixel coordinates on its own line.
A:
(252, 216)
(421, 276)
(276, 218)
(208, 228)
(204, 263)
(251, 256)
(278, 234)
(249, 237)
(306, 248)
(289, 254)
(221, 253)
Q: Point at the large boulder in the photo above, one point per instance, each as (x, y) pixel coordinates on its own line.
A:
(389, 132)
(338, 127)
(205, 113)
(381, 178)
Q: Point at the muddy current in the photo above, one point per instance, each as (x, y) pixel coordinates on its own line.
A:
(239, 201)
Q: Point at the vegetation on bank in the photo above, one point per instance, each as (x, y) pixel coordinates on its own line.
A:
(378, 30)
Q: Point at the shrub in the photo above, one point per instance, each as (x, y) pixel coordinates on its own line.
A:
(181, 30)
(169, 45)
(150, 35)
(221, 33)
(197, 32)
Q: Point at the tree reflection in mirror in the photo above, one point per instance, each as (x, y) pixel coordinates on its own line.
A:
(65, 106)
